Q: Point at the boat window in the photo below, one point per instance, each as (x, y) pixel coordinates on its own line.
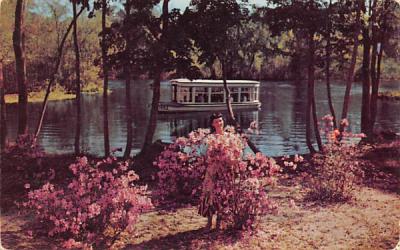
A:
(245, 95)
(184, 94)
(255, 95)
(201, 95)
(235, 94)
(217, 94)
(174, 92)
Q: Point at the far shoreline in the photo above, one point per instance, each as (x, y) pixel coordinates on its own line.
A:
(56, 95)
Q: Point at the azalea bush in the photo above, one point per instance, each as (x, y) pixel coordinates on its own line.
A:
(240, 182)
(22, 161)
(98, 204)
(182, 168)
(22, 153)
(337, 169)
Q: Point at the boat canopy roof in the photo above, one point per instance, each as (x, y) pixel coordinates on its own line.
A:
(205, 82)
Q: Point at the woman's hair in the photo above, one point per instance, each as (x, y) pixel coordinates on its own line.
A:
(212, 118)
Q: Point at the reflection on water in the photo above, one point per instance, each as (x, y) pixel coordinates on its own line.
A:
(281, 118)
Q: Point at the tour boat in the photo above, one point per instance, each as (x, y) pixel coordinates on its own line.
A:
(209, 95)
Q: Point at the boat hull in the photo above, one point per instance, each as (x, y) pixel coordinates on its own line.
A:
(178, 108)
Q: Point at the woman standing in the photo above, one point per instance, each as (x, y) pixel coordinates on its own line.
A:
(208, 205)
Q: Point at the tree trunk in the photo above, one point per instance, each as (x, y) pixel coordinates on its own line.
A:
(54, 73)
(375, 90)
(310, 93)
(328, 66)
(78, 83)
(231, 115)
(366, 83)
(374, 85)
(127, 73)
(153, 114)
(350, 74)
(129, 129)
(105, 80)
(3, 117)
(376, 79)
(20, 65)
(157, 82)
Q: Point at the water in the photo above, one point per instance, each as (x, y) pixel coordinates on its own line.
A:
(281, 118)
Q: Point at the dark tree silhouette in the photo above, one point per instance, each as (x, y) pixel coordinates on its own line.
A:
(3, 124)
(350, 74)
(104, 49)
(20, 65)
(78, 80)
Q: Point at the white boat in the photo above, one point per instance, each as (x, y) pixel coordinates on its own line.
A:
(209, 95)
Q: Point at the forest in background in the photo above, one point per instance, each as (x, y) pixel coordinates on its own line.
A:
(258, 51)
(283, 40)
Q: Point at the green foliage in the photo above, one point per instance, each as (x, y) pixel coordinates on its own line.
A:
(214, 41)
(45, 24)
(261, 43)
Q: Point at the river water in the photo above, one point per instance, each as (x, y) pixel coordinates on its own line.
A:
(281, 118)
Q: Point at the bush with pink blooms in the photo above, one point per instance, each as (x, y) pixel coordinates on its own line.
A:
(99, 203)
(182, 168)
(22, 161)
(22, 153)
(240, 182)
(337, 169)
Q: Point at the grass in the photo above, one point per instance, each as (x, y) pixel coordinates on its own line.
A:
(57, 94)
(391, 95)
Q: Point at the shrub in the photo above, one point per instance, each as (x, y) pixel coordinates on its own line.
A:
(336, 170)
(182, 168)
(23, 151)
(22, 161)
(240, 183)
(99, 203)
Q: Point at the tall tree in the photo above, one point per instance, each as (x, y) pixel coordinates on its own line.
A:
(54, 73)
(328, 62)
(385, 22)
(365, 69)
(350, 73)
(78, 80)
(131, 37)
(3, 124)
(306, 19)
(160, 51)
(20, 65)
(216, 42)
(127, 75)
(104, 56)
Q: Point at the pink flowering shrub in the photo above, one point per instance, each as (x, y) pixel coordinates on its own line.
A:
(337, 169)
(23, 153)
(99, 203)
(238, 183)
(25, 146)
(182, 168)
(22, 161)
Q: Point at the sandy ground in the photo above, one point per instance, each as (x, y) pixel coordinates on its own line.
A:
(370, 221)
